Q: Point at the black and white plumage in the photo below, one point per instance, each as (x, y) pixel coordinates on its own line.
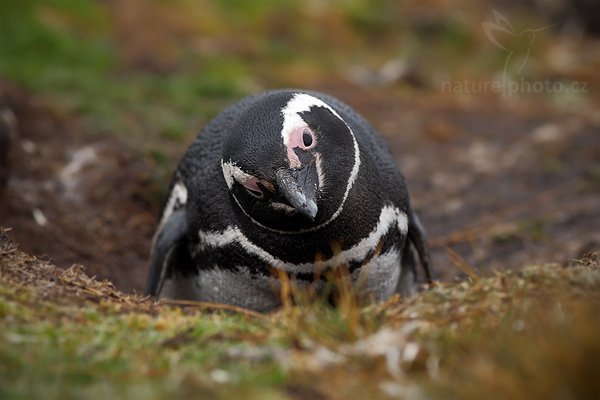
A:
(287, 180)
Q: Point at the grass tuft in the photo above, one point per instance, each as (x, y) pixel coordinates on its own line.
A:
(531, 333)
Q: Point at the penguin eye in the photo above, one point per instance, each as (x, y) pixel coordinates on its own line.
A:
(307, 138)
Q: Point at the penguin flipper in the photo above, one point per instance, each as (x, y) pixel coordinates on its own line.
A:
(407, 283)
(416, 243)
(169, 242)
(418, 238)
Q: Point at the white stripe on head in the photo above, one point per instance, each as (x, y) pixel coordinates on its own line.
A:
(232, 172)
(299, 103)
(390, 217)
(320, 172)
(292, 121)
(302, 102)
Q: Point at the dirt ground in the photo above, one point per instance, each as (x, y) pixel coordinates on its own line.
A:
(496, 186)
(76, 199)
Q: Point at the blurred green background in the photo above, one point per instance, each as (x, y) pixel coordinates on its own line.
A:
(156, 68)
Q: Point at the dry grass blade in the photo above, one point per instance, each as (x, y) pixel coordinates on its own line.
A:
(83, 287)
(461, 264)
(212, 306)
(285, 291)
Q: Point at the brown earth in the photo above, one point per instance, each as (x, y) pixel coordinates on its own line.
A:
(74, 198)
(496, 186)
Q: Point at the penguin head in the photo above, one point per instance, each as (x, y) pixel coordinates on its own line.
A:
(289, 161)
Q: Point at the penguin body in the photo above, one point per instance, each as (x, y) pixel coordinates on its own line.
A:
(286, 181)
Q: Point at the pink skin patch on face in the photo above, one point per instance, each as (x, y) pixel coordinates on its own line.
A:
(302, 137)
(252, 184)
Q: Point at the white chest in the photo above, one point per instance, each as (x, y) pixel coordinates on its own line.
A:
(376, 281)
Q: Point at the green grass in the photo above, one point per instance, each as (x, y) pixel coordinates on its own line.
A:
(60, 349)
(95, 355)
(528, 334)
(66, 52)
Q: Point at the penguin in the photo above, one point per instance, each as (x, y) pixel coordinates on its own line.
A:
(290, 183)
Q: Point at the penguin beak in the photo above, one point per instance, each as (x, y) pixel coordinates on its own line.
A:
(299, 187)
